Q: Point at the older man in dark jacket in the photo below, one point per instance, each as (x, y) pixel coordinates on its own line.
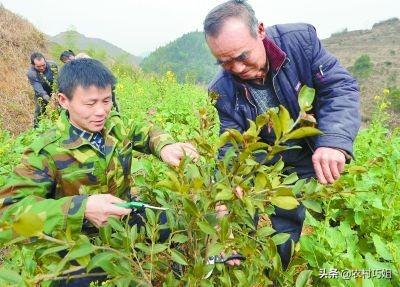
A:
(265, 68)
(41, 76)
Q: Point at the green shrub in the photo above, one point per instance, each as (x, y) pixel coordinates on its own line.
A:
(362, 67)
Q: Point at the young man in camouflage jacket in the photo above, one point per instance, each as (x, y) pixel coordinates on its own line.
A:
(77, 171)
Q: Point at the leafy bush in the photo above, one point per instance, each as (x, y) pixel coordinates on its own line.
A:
(362, 67)
(351, 224)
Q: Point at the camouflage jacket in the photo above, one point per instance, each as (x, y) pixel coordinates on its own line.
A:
(60, 169)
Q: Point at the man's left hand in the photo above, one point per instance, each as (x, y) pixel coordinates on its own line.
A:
(174, 153)
(328, 164)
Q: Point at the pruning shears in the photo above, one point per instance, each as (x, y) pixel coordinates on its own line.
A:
(137, 204)
(219, 259)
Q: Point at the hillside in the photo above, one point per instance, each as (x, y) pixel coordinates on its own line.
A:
(188, 57)
(382, 45)
(19, 39)
(79, 42)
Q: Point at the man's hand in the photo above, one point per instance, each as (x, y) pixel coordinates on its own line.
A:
(100, 207)
(232, 262)
(174, 153)
(221, 210)
(328, 164)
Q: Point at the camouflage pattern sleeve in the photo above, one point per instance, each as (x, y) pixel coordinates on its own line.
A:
(149, 139)
(31, 187)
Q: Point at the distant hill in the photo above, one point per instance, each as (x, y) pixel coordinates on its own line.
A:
(382, 46)
(19, 39)
(188, 57)
(79, 42)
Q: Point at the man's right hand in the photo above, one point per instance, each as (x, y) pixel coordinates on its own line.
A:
(100, 207)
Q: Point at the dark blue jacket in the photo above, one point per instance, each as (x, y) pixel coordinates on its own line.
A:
(42, 82)
(297, 57)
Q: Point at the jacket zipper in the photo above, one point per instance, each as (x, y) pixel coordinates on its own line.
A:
(273, 85)
(248, 98)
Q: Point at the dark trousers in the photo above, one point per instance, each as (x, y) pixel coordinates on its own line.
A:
(136, 218)
(40, 107)
(288, 221)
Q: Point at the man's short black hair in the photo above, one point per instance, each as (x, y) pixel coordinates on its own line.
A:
(66, 54)
(36, 56)
(84, 73)
(217, 17)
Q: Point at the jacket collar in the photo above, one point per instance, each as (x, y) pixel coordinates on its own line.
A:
(70, 139)
(276, 57)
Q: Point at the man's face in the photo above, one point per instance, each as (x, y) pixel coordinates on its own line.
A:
(239, 52)
(39, 65)
(89, 108)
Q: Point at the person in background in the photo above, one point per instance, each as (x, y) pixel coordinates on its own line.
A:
(41, 76)
(66, 56)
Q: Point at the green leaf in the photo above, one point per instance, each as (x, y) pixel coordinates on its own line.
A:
(178, 257)
(10, 276)
(84, 260)
(206, 227)
(276, 125)
(190, 207)
(251, 133)
(53, 250)
(116, 224)
(302, 133)
(265, 231)
(224, 195)
(283, 191)
(298, 186)
(290, 179)
(381, 247)
(249, 206)
(172, 184)
(285, 202)
(80, 249)
(260, 181)
(100, 260)
(241, 277)
(280, 238)
(134, 233)
(215, 249)
(28, 224)
(312, 204)
(279, 165)
(303, 277)
(285, 119)
(143, 247)
(306, 98)
(235, 135)
(223, 139)
(157, 248)
(151, 217)
(180, 238)
(356, 169)
(262, 120)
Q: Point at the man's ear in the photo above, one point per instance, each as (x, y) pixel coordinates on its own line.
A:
(261, 30)
(63, 101)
